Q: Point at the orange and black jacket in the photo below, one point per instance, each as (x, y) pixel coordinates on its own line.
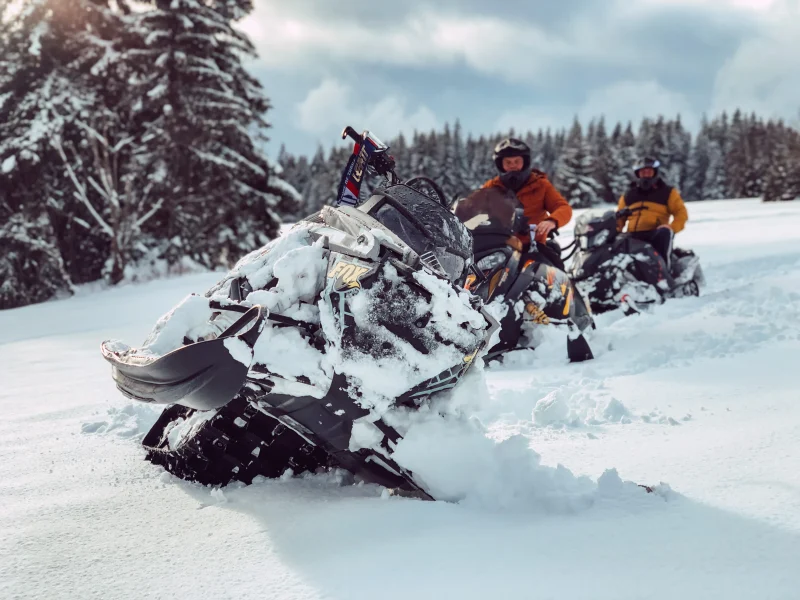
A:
(540, 200)
(660, 203)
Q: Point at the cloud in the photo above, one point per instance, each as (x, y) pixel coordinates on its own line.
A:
(763, 74)
(519, 50)
(323, 106)
(329, 107)
(530, 118)
(535, 63)
(621, 101)
(633, 100)
(753, 5)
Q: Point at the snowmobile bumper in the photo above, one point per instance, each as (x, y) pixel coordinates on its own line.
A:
(205, 375)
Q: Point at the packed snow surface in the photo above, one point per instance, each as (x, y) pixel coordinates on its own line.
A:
(700, 394)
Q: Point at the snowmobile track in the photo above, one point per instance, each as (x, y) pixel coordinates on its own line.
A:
(238, 443)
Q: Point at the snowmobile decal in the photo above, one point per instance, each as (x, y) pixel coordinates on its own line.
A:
(569, 298)
(361, 163)
(367, 151)
(497, 280)
(350, 185)
(347, 276)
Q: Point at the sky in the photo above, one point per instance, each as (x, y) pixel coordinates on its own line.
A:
(405, 65)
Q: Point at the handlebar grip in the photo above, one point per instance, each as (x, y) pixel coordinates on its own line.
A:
(349, 131)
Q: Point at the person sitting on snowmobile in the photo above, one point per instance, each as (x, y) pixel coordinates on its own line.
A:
(545, 208)
(653, 202)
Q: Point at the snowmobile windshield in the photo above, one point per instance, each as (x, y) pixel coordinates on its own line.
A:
(488, 209)
(593, 230)
(425, 225)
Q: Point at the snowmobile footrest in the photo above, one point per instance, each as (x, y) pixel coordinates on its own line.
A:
(578, 350)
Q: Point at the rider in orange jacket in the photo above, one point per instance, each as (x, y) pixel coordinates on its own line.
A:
(545, 208)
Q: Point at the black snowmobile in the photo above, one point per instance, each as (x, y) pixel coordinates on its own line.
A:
(275, 367)
(616, 270)
(528, 286)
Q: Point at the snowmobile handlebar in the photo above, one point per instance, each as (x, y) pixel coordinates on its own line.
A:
(379, 159)
(349, 131)
(627, 212)
(371, 155)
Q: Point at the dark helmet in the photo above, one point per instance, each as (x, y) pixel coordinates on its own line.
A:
(511, 147)
(647, 161)
(648, 182)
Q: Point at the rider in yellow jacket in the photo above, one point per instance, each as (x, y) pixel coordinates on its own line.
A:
(653, 204)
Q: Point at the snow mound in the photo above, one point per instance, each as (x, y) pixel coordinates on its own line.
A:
(582, 403)
(459, 463)
(131, 421)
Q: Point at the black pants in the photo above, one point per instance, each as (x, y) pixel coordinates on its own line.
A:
(660, 239)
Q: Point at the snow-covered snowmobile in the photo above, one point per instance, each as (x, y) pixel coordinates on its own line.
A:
(316, 350)
(524, 287)
(616, 270)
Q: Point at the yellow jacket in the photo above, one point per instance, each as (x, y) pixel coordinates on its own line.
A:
(660, 203)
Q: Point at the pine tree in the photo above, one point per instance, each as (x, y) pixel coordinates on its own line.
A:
(739, 159)
(481, 165)
(55, 57)
(623, 159)
(652, 139)
(759, 143)
(675, 157)
(716, 177)
(699, 162)
(290, 168)
(549, 153)
(575, 175)
(779, 183)
(314, 197)
(782, 178)
(452, 168)
(31, 268)
(604, 163)
(203, 118)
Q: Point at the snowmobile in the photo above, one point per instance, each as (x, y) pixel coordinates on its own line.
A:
(616, 270)
(315, 351)
(527, 288)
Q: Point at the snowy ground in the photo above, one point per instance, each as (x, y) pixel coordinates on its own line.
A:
(700, 394)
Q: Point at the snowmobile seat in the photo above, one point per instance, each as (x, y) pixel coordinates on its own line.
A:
(550, 253)
(486, 242)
